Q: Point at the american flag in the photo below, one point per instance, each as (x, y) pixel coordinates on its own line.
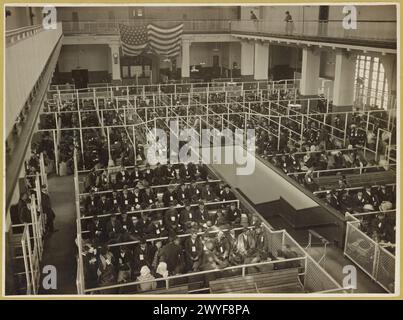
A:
(164, 41)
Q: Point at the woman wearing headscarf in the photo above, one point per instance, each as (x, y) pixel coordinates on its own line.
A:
(161, 272)
(106, 270)
(145, 275)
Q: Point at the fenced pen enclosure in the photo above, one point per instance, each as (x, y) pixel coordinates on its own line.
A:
(72, 119)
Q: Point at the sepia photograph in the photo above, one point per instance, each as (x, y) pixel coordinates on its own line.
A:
(201, 150)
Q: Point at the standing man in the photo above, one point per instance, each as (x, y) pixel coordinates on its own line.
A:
(47, 209)
(289, 24)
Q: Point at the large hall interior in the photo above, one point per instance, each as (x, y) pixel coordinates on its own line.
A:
(112, 188)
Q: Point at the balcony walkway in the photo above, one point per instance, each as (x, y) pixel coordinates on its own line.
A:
(371, 34)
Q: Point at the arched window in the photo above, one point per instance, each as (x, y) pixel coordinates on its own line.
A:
(372, 86)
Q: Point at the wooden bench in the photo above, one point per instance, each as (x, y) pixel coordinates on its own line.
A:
(279, 281)
(276, 281)
(357, 180)
(174, 290)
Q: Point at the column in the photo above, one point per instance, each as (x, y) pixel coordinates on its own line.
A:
(247, 60)
(115, 61)
(185, 69)
(261, 61)
(309, 83)
(344, 80)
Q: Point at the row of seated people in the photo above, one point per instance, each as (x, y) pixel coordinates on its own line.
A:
(113, 228)
(380, 227)
(357, 134)
(160, 174)
(211, 250)
(145, 197)
(359, 200)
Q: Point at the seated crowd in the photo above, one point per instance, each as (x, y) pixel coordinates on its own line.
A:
(211, 242)
(380, 226)
(128, 239)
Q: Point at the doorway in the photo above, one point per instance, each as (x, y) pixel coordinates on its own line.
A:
(216, 70)
(75, 19)
(323, 20)
(80, 77)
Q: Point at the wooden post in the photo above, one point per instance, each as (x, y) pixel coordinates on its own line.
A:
(345, 129)
(279, 133)
(134, 145)
(109, 142)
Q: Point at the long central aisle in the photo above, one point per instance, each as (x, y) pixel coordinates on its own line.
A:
(60, 248)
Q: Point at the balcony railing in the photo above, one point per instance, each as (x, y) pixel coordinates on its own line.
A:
(12, 36)
(382, 31)
(108, 27)
(366, 30)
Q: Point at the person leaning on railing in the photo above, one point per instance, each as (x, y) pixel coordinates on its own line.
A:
(289, 24)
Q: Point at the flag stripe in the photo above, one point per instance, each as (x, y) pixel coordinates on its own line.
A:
(172, 53)
(157, 36)
(157, 46)
(165, 30)
(165, 41)
(170, 50)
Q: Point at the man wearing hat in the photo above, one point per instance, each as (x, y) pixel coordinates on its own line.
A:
(226, 194)
(116, 200)
(127, 225)
(122, 177)
(184, 173)
(169, 196)
(114, 229)
(371, 197)
(159, 177)
(91, 202)
(124, 261)
(202, 213)
(172, 220)
(385, 195)
(194, 192)
(96, 230)
(208, 193)
(171, 253)
(136, 176)
(193, 248)
(137, 197)
(148, 174)
(187, 215)
(149, 198)
(136, 229)
(127, 198)
(233, 214)
(157, 229)
(142, 256)
(182, 194)
(47, 209)
(171, 173)
(358, 201)
(104, 205)
(332, 200)
(201, 172)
